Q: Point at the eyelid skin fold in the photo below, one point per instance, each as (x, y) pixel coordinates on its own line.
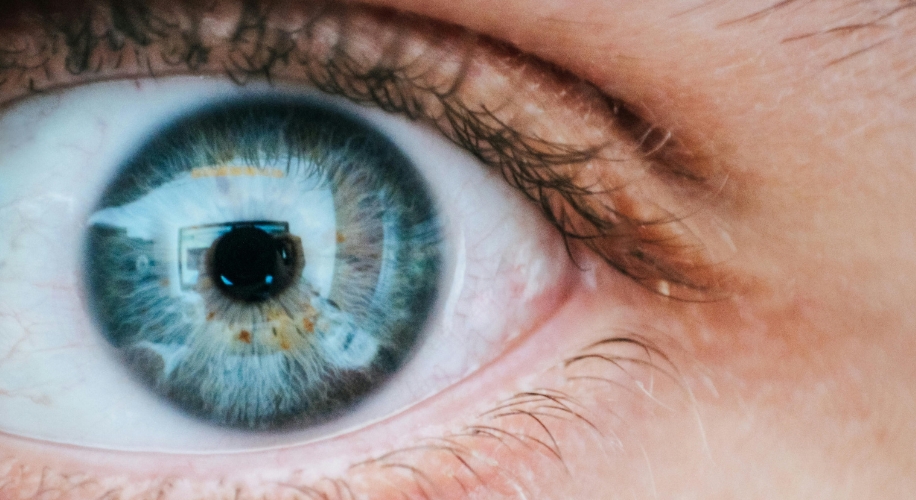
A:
(586, 160)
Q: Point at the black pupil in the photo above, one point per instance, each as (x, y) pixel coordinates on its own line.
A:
(251, 265)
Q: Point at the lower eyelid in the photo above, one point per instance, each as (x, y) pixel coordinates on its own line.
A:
(587, 389)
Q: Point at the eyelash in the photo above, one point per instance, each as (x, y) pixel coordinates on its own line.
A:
(534, 418)
(530, 422)
(653, 251)
(525, 160)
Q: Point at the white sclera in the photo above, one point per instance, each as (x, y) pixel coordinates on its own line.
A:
(60, 381)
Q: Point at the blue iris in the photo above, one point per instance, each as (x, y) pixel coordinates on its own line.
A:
(265, 263)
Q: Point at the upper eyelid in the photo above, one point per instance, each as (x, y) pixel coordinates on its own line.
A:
(420, 70)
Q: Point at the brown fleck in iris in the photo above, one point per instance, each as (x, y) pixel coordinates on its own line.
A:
(211, 315)
(308, 325)
(245, 336)
(340, 237)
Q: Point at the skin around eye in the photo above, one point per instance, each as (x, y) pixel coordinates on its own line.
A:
(796, 383)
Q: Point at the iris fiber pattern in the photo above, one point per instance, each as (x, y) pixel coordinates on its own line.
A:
(348, 205)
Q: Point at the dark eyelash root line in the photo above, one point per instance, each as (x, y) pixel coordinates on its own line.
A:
(420, 72)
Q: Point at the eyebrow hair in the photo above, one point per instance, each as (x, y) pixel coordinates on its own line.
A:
(761, 13)
(858, 27)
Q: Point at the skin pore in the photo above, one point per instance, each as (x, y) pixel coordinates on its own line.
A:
(793, 380)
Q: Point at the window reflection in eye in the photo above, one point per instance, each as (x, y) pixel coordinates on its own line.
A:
(505, 265)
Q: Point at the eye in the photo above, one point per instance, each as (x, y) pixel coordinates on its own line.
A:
(410, 261)
(536, 181)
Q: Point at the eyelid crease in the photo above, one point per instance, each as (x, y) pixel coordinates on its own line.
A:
(586, 160)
